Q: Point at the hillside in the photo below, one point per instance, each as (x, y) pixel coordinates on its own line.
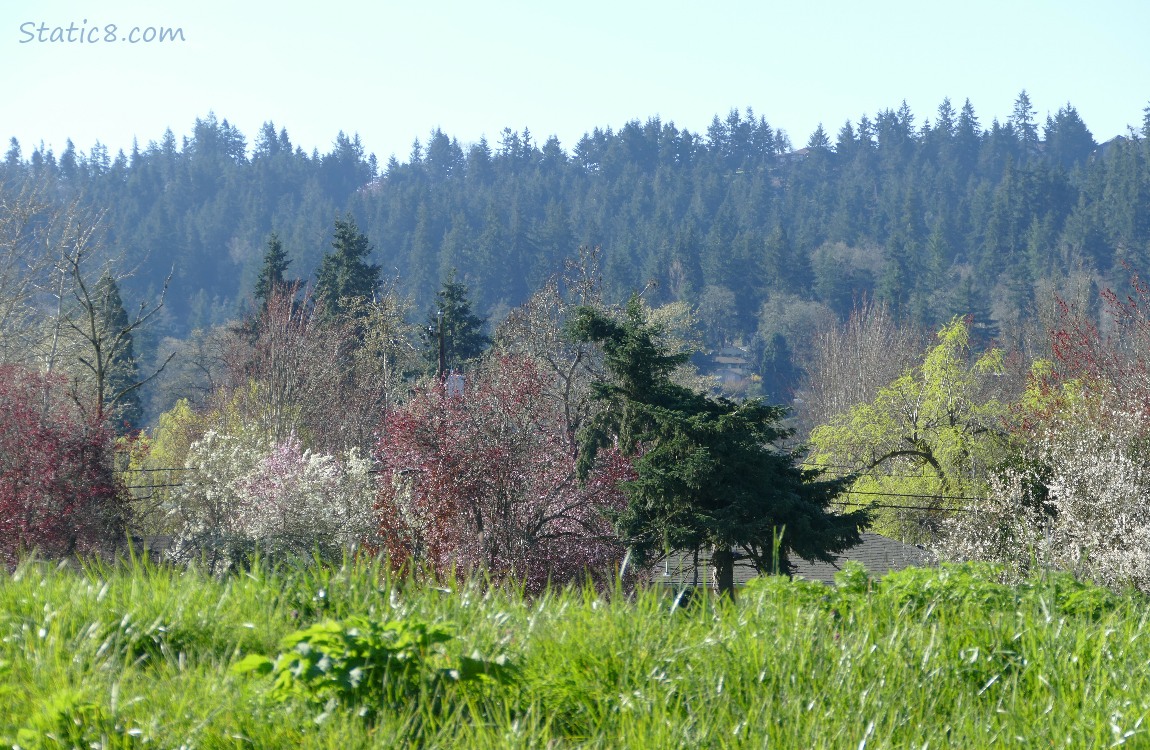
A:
(939, 215)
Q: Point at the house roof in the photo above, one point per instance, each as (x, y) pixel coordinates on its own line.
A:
(877, 553)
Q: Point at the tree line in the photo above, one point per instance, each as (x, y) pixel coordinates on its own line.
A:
(940, 216)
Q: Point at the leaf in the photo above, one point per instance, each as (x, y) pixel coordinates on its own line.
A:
(253, 663)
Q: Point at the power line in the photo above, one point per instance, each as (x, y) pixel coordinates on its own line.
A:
(174, 468)
(914, 494)
(856, 470)
(152, 486)
(884, 506)
(852, 492)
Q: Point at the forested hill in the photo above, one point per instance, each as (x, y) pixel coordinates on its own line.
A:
(940, 215)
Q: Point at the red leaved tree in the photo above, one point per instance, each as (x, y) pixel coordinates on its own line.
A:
(1118, 358)
(58, 492)
(485, 479)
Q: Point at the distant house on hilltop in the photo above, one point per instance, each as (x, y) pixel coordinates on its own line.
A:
(794, 157)
(878, 554)
(731, 365)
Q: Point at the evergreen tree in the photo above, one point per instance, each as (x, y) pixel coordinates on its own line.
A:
(120, 394)
(708, 471)
(819, 139)
(1024, 125)
(1068, 140)
(946, 123)
(12, 159)
(345, 273)
(778, 371)
(272, 273)
(846, 144)
(460, 329)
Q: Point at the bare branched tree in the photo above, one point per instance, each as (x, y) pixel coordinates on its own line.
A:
(294, 371)
(104, 340)
(55, 276)
(537, 330)
(849, 362)
(35, 233)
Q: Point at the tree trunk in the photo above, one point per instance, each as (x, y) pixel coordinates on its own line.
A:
(723, 565)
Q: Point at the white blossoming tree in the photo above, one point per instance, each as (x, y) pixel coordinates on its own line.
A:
(240, 494)
(1079, 502)
(1078, 496)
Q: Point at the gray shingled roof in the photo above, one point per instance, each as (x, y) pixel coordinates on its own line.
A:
(878, 554)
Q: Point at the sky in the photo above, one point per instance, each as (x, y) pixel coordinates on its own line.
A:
(392, 72)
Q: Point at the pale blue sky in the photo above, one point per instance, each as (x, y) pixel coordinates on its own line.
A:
(393, 71)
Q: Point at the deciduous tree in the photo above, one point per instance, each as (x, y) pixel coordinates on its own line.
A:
(34, 235)
(485, 480)
(929, 437)
(847, 363)
(1074, 498)
(94, 336)
(239, 493)
(58, 494)
(1074, 495)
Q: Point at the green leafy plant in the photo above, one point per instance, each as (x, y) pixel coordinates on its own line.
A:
(365, 665)
(68, 719)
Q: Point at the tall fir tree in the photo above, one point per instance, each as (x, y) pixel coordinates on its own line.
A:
(120, 391)
(271, 275)
(454, 326)
(345, 273)
(1025, 128)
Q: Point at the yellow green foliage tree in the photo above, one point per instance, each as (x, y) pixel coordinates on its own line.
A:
(926, 441)
(154, 463)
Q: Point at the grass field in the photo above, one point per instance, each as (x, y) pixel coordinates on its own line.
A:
(143, 655)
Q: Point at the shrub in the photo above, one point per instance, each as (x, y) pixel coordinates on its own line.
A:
(366, 665)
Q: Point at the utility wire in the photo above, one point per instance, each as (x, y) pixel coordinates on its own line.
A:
(914, 494)
(174, 468)
(152, 486)
(884, 506)
(850, 492)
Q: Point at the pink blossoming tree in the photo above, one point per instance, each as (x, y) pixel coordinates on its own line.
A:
(485, 480)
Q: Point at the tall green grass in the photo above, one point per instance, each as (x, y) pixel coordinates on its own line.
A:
(141, 655)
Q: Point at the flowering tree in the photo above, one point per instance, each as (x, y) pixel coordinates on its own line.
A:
(305, 497)
(239, 493)
(1119, 356)
(1075, 496)
(486, 480)
(58, 493)
(1077, 502)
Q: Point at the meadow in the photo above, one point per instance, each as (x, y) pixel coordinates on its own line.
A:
(144, 655)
